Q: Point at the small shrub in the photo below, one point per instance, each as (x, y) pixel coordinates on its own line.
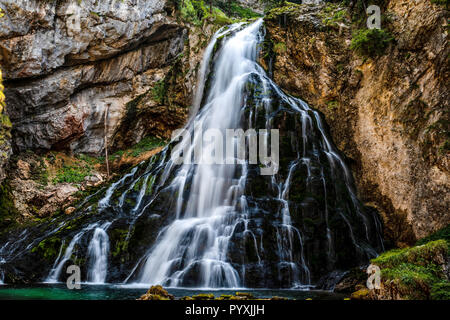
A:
(370, 42)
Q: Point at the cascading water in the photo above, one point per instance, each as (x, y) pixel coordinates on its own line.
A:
(225, 226)
(97, 254)
(98, 251)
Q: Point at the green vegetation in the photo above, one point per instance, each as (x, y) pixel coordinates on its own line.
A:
(333, 15)
(72, 174)
(280, 48)
(370, 42)
(419, 254)
(5, 122)
(332, 105)
(234, 9)
(283, 8)
(442, 234)
(196, 12)
(441, 2)
(440, 291)
(417, 271)
(146, 144)
(90, 160)
(159, 91)
(48, 248)
(119, 238)
(157, 293)
(8, 211)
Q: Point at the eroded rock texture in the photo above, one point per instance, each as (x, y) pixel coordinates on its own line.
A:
(66, 63)
(389, 114)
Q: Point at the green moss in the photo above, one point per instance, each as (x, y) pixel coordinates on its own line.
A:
(146, 144)
(234, 9)
(197, 11)
(5, 122)
(442, 234)
(203, 296)
(280, 48)
(49, 248)
(360, 294)
(90, 160)
(120, 243)
(220, 18)
(419, 255)
(8, 211)
(440, 291)
(288, 8)
(417, 270)
(159, 91)
(333, 15)
(332, 105)
(72, 174)
(370, 42)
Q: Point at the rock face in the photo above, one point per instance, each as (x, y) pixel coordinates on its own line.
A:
(66, 63)
(389, 115)
(5, 134)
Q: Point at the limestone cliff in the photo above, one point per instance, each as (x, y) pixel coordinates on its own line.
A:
(388, 114)
(65, 63)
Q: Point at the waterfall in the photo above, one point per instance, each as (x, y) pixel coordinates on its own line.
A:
(194, 249)
(210, 225)
(97, 254)
(98, 251)
(2, 261)
(199, 237)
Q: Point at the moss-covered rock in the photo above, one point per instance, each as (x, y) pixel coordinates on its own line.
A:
(420, 272)
(157, 293)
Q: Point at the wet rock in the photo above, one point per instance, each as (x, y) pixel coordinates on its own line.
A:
(385, 114)
(69, 210)
(94, 180)
(23, 169)
(157, 293)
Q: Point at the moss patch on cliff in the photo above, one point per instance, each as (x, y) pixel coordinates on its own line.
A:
(197, 11)
(418, 271)
(442, 234)
(49, 248)
(8, 212)
(333, 15)
(371, 42)
(235, 10)
(288, 8)
(72, 174)
(146, 144)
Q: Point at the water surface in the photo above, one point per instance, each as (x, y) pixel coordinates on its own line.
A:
(118, 292)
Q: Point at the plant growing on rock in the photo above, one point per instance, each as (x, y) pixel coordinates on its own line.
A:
(370, 42)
